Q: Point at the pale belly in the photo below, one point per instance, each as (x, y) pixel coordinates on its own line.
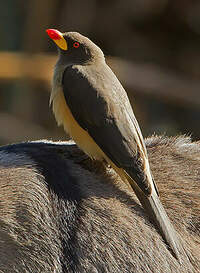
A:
(80, 136)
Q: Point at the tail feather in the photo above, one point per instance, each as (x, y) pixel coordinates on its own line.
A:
(158, 217)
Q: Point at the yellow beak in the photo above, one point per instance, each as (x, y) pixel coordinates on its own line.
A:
(58, 38)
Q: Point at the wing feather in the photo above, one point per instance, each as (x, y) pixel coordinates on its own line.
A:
(94, 102)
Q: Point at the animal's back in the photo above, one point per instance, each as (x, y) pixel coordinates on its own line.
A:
(60, 212)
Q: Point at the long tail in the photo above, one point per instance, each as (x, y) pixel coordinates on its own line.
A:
(158, 217)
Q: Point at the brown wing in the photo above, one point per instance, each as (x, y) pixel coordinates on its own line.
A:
(102, 108)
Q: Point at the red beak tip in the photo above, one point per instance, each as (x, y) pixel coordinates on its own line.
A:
(53, 34)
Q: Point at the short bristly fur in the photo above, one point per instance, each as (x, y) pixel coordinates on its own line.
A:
(62, 214)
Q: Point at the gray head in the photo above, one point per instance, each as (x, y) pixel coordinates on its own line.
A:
(75, 48)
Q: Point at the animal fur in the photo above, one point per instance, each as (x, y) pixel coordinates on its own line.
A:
(61, 212)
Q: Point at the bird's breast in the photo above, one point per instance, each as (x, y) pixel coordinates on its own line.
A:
(64, 117)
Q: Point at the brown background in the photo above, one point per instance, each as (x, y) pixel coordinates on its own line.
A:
(152, 45)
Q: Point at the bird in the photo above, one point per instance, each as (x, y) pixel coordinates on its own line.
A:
(91, 104)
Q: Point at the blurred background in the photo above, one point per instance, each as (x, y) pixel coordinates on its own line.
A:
(152, 45)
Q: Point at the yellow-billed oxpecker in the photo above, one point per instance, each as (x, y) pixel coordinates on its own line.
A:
(91, 104)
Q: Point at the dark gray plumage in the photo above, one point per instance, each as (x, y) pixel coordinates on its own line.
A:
(111, 131)
(97, 107)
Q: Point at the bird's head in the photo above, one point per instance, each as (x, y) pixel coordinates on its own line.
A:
(75, 48)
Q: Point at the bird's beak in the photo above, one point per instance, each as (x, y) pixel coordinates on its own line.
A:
(58, 38)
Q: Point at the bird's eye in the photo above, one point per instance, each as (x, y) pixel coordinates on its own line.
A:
(76, 44)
